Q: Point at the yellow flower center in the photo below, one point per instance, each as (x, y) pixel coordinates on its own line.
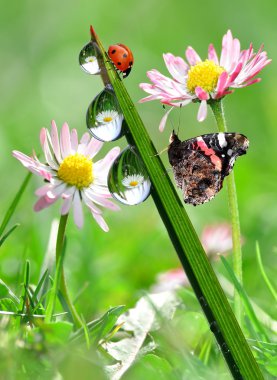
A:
(76, 170)
(205, 75)
(107, 119)
(133, 183)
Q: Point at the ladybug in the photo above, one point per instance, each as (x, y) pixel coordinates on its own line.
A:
(122, 58)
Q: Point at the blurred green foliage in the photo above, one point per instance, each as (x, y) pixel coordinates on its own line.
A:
(40, 80)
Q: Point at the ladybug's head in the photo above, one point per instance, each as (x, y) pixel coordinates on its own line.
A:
(125, 73)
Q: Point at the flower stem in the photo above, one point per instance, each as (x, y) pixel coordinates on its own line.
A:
(60, 246)
(217, 108)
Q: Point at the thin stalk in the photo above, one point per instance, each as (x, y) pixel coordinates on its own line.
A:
(63, 287)
(217, 108)
(59, 283)
(199, 271)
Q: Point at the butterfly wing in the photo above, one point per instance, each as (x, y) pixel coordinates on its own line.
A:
(201, 163)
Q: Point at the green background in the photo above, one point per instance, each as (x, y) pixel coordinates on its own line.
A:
(40, 80)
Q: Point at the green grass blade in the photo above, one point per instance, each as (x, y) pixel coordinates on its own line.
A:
(214, 303)
(247, 304)
(7, 234)
(39, 286)
(25, 286)
(14, 203)
(9, 292)
(264, 275)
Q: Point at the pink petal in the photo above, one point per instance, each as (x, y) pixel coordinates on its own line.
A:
(56, 191)
(55, 141)
(212, 54)
(99, 219)
(89, 203)
(227, 42)
(201, 94)
(65, 141)
(66, 206)
(74, 141)
(33, 166)
(48, 153)
(42, 137)
(192, 57)
(221, 84)
(44, 202)
(41, 191)
(149, 98)
(105, 203)
(177, 104)
(164, 119)
(176, 66)
(93, 147)
(202, 112)
(85, 139)
(105, 164)
(235, 73)
(78, 210)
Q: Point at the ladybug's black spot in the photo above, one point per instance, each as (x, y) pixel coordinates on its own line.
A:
(119, 63)
(125, 55)
(113, 51)
(131, 63)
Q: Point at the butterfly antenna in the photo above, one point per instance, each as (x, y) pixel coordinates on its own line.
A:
(179, 120)
(165, 149)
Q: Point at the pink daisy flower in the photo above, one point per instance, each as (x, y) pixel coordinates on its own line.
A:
(204, 81)
(71, 173)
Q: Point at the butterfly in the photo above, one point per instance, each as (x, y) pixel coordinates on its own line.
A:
(201, 163)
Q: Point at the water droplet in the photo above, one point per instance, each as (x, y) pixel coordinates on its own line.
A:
(128, 180)
(88, 59)
(104, 118)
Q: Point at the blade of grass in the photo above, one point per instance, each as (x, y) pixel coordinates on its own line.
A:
(210, 295)
(10, 292)
(14, 203)
(264, 275)
(7, 234)
(25, 285)
(247, 304)
(39, 286)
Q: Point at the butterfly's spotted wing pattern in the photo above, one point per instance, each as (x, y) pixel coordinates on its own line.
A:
(200, 164)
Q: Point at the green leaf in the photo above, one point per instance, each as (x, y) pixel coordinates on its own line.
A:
(145, 317)
(100, 327)
(152, 367)
(7, 304)
(14, 203)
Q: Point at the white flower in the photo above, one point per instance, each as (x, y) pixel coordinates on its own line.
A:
(203, 81)
(108, 125)
(137, 189)
(91, 65)
(71, 174)
(132, 181)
